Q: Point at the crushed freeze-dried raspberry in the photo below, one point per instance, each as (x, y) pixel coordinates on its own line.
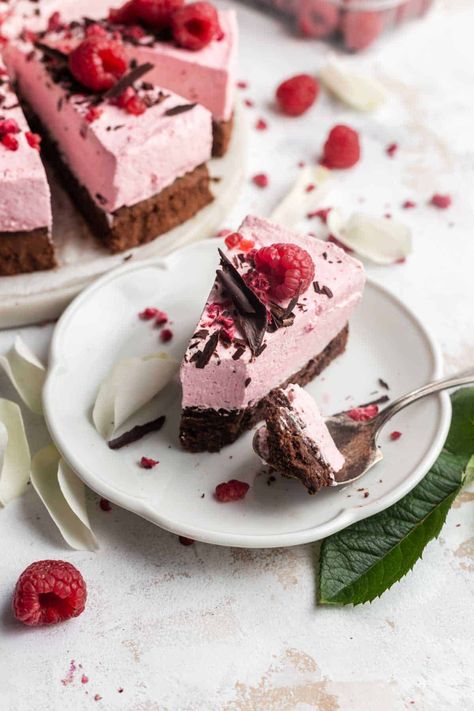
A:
(242, 85)
(322, 214)
(166, 335)
(84, 679)
(232, 490)
(49, 591)
(34, 140)
(96, 30)
(395, 435)
(245, 245)
(391, 149)
(54, 22)
(161, 317)
(249, 103)
(288, 267)
(97, 697)
(342, 148)
(362, 414)
(441, 201)
(309, 188)
(93, 113)
(186, 541)
(195, 25)
(98, 62)
(105, 505)
(148, 313)
(8, 126)
(10, 142)
(408, 204)
(297, 94)
(261, 180)
(232, 240)
(148, 463)
(261, 125)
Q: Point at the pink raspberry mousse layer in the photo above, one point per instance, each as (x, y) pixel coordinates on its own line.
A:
(207, 76)
(24, 191)
(307, 419)
(120, 158)
(229, 383)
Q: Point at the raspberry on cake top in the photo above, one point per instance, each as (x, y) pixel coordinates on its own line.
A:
(277, 313)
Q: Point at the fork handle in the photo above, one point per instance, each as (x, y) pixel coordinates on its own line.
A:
(465, 378)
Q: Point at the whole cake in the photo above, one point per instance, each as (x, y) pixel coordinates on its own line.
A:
(25, 210)
(295, 440)
(277, 314)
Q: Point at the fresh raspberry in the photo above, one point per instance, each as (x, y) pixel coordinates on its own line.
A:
(232, 490)
(166, 335)
(8, 126)
(342, 148)
(195, 25)
(261, 180)
(93, 113)
(288, 267)
(362, 414)
(317, 18)
(395, 435)
(49, 591)
(34, 140)
(148, 463)
(123, 15)
(10, 142)
(441, 201)
(360, 29)
(297, 94)
(98, 62)
(156, 14)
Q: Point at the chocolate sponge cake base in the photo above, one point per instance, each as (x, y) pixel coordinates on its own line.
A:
(208, 430)
(22, 252)
(291, 453)
(221, 135)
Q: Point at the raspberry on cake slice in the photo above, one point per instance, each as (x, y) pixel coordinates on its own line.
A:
(25, 233)
(277, 314)
(132, 155)
(295, 440)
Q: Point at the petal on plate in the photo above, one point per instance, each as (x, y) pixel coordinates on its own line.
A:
(379, 239)
(309, 191)
(131, 383)
(15, 459)
(357, 90)
(64, 497)
(26, 373)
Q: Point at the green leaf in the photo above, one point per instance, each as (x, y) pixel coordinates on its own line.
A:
(359, 563)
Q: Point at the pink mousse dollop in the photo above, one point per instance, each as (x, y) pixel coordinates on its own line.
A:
(229, 384)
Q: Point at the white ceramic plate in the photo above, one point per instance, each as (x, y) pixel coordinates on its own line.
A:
(41, 296)
(101, 326)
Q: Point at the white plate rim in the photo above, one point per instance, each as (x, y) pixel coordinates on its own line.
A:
(137, 505)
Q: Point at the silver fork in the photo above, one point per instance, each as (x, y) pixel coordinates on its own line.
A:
(358, 440)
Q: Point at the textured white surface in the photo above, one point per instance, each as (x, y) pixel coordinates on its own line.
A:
(207, 628)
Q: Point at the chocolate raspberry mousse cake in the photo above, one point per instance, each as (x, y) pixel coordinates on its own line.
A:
(25, 210)
(277, 314)
(131, 154)
(295, 440)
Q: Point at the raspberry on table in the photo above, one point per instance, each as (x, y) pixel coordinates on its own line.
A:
(98, 62)
(342, 148)
(296, 95)
(289, 268)
(47, 592)
(360, 29)
(195, 25)
(232, 490)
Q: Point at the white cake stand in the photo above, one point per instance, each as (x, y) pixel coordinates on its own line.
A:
(42, 296)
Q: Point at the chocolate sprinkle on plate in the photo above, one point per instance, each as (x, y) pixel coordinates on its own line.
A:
(175, 110)
(383, 384)
(205, 355)
(137, 433)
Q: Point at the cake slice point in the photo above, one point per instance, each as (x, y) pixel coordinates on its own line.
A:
(295, 440)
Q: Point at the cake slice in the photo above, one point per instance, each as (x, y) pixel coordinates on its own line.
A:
(277, 314)
(25, 208)
(132, 155)
(295, 440)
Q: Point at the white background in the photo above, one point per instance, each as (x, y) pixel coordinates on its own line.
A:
(210, 628)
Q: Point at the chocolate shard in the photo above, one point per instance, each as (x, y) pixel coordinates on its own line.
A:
(205, 355)
(282, 318)
(251, 312)
(202, 333)
(324, 290)
(127, 80)
(137, 433)
(175, 110)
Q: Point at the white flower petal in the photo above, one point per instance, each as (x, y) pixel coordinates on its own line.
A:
(26, 373)
(63, 495)
(15, 459)
(379, 239)
(358, 91)
(298, 201)
(131, 384)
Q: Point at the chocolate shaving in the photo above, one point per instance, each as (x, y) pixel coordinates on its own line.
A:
(282, 318)
(379, 401)
(247, 382)
(127, 80)
(175, 110)
(325, 290)
(205, 355)
(201, 334)
(251, 312)
(137, 433)
(383, 384)
(51, 51)
(238, 353)
(260, 350)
